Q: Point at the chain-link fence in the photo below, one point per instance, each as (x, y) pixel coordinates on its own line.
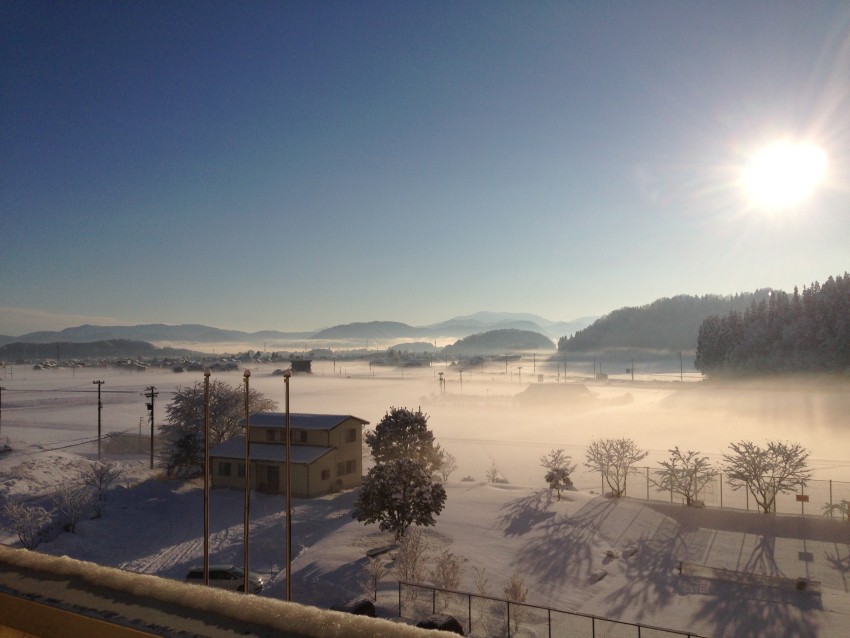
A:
(490, 617)
(817, 497)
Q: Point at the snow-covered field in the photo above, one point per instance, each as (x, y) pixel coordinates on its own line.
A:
(155, 527)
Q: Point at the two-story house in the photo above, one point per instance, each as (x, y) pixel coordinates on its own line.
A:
(325, 450)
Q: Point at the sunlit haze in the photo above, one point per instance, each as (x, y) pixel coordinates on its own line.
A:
(296, 165)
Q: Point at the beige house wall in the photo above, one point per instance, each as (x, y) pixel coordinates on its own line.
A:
(340, 468)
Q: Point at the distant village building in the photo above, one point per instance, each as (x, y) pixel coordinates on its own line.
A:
(301, 366)
(326, 453)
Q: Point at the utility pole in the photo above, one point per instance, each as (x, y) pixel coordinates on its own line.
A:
(151, 393)
(286, 375)
(207, 476)
(98, 383)
(246, 557)
(1, 408)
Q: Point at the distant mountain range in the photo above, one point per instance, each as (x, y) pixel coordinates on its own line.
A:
(458, 327)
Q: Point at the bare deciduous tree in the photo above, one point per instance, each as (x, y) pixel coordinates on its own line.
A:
(183, 426)
(448, 464)
(493, 473)
(99, 476)
(766, 472)
(26, 521)
(72, 500)
(517, 592)
(411, 557)
(615, 460)
(685, 473)
(558, 470)
(448, 569)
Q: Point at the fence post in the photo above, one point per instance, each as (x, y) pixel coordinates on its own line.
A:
(509, 619)
(647, 482)
(549, 614)
(434, 600)
(469, 611)
(399, 599)
(721, 489)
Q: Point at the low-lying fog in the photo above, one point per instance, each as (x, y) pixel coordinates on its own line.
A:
(484, 416)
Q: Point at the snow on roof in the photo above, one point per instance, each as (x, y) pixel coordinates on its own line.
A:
(301, 421)
(235, 449)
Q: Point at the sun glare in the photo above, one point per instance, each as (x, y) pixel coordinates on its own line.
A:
(783, 175)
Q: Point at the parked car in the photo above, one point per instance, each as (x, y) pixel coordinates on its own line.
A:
(227, 577)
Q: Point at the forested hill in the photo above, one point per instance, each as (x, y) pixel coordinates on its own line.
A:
(497, 341)
(665, 324)
(798, 333)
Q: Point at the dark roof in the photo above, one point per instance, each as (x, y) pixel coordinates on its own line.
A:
(235, 449)
(300, 421)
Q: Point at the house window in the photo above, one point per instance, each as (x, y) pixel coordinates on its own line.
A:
(240, 470)
(326, 475)
(224, 468)
(271, 435)
(350, 435)
(298, 436)
(348, 467)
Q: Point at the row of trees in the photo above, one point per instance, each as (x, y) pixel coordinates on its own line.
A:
(764, 471)
(802, 332)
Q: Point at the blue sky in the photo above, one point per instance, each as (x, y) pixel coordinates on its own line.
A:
(294, 165)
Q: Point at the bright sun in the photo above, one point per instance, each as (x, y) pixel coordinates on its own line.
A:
(782, 175)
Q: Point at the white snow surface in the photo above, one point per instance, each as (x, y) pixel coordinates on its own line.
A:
(155, 526)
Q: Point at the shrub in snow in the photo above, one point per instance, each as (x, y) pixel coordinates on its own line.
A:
(72, 501)
(447, 571)
(517, 592)
(26, 521)
(410, 560)
(558, 469)
(376, 569)
(98, 477)
(493, 474)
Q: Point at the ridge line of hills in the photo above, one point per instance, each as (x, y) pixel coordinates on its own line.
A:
(667, 324)
(458, 327)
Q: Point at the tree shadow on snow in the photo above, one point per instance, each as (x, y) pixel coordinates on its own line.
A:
(561, 549)
(525, 513)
